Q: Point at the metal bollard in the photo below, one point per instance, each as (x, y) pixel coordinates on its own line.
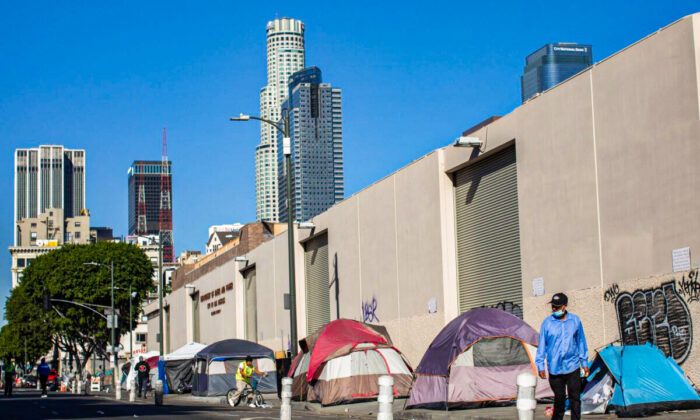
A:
(385, 398)
(158, 392)
(132, 390)
(527, 382)
(286, 407)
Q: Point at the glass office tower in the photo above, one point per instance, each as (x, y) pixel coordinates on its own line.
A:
(551, 65)
(316, 145)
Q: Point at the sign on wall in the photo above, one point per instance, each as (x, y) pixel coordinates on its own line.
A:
(681, 259)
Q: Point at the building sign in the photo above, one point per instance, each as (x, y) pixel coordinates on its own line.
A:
(216, 297)
(571, 49)
(47, 242)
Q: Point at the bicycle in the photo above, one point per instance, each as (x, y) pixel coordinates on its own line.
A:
(257, 398)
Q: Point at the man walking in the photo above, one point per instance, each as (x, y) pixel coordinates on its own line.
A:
(142, 371)
(563, 344)
(43, 372)
(9, 370)
(243, 374)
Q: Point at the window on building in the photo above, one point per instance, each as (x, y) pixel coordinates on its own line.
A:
(21, 262)
(32, 235)
(77, 235)
(140, 337)
(77, 224)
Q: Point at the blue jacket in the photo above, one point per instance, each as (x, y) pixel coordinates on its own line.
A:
(562, 344)
(43, 369)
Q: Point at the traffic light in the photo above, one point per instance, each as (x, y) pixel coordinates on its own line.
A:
(47, 301)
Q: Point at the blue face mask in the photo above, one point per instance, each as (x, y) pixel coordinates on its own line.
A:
(558, 314)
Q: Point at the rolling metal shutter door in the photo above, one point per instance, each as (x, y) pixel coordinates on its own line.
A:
(488, 232)
(251, 313)
(318, 303)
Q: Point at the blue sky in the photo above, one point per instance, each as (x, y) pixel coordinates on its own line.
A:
(107, 78)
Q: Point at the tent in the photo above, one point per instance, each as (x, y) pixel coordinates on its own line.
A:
(635, 381)
(216, 364)
(151, 358)
(341, 362)
(178, 368)
(475, 360)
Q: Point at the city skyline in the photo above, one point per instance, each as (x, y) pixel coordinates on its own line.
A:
(113, 105)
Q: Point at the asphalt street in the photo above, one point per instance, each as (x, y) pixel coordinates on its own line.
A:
(27, 404)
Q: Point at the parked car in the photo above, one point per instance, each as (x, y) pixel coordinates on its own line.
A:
(51, 381)
(28, 381)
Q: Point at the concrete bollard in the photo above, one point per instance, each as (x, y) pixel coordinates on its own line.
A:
(527, 382)
(132, 390)
(158, 392)
(286, 407)
(385, 398)
(72, 386)
(79, 382)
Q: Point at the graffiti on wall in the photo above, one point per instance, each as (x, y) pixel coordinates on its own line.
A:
(611, 294)
(510, 307)
(369, 311)
(689, 287)
(659, 316)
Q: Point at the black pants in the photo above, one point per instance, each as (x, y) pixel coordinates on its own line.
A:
(142, 384)
(42, 381)
(568, 383)
(9, 382)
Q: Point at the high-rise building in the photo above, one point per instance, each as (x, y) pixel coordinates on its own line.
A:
(551, 65)
(145, 199)
(315, 119)
(285, 56)
(48, 177)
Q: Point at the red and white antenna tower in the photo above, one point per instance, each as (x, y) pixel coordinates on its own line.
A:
(165, 225)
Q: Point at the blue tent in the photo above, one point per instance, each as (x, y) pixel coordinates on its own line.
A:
(216, 365)
(641, 379)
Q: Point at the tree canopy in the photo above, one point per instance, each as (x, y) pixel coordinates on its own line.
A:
(64, 275)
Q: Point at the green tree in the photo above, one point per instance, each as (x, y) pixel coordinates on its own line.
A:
(64, 275)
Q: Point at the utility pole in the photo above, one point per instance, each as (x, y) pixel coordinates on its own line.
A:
(160, 293)
(287, 150)
(131, 329)
(115, 361)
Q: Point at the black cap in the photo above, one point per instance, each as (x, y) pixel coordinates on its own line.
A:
(559, 299)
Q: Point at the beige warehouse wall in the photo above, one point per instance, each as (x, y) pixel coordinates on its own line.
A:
(218, 321)
(663, 313)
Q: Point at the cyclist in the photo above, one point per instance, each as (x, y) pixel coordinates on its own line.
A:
(244, 375)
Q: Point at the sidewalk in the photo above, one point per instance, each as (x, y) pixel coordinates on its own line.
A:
(368, 409)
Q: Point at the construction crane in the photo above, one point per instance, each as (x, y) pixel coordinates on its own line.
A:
(165, 222)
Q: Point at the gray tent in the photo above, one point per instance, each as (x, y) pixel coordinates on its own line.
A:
(216, 364)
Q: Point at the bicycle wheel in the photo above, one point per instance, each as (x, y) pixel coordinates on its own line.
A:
(229, 397)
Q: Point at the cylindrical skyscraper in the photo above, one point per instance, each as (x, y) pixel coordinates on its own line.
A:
(285, 56)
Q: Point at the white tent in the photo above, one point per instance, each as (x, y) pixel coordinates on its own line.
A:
(188, 351)
(132, 373)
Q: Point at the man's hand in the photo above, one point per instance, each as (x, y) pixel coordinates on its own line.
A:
(586, 372)
(542, 374)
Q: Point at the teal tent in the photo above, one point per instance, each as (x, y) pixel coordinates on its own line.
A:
(636, 381)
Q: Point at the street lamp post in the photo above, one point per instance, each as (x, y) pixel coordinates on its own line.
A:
(160, 291)
(287, 150)
(117, 388)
